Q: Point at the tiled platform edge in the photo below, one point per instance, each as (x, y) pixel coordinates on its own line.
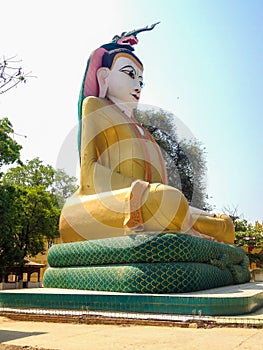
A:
(228, 301)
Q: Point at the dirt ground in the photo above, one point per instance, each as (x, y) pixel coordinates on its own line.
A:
(14, 347)
(33, 335)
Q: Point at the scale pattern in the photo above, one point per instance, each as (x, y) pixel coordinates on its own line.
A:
(146, 263)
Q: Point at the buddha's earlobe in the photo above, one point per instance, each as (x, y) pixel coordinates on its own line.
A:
(102, 76)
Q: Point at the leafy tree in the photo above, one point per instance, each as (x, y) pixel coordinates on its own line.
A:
(63, 186)
(9, 251)
(9, 148)
(35, 173)
(9, 154)
(30, 209)
(30, 216)
(37, 219)
(241, 225)
(247, 236)
(250, 237)
(184, 159)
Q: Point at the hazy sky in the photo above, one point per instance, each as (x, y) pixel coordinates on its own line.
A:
(203, 62)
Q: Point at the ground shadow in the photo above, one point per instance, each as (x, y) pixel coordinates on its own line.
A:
(12, 335)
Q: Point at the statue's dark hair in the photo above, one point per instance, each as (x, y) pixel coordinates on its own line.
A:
(108, 57)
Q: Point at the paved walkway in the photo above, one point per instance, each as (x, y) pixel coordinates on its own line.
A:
(62, 336)
(69, 336)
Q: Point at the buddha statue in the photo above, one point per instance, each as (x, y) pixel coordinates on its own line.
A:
(123, 182)
(125, 229)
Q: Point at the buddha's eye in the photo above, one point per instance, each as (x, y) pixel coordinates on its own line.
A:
(131, 74)
(129, 71)
(141, 83)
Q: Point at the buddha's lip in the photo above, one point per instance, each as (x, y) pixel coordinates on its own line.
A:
(136, 97)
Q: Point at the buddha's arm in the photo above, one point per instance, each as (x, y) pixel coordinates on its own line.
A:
(96, 175)
(96, 178)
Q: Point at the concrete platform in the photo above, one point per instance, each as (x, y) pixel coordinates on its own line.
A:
(67, 336)
(225, 301)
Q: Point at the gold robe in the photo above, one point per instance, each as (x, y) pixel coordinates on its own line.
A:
(123, 184)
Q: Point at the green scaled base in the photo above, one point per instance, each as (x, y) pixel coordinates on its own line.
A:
(146, 263)
(140, 278)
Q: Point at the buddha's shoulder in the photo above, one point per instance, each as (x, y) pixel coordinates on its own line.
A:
(91, 104)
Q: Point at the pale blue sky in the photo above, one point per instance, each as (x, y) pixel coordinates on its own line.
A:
(207, 53)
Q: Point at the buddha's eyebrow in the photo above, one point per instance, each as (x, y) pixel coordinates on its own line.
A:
(128, 66)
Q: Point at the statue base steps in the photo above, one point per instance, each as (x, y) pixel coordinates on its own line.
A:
(224, 301)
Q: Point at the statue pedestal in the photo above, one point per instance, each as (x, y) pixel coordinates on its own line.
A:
(146, 263)
(224, 301)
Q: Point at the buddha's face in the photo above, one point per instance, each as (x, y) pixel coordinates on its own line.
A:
(125, 80)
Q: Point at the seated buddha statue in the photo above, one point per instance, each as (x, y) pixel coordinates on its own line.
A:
(123, 183)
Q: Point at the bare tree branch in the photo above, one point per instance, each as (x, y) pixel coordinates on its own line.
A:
(11, 74)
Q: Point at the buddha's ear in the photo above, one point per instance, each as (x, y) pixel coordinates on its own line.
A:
(102, 76)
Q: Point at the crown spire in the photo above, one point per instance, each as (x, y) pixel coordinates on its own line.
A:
(130, 38)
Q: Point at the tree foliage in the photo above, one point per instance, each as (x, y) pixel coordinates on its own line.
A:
(33, 216)
(40, 192)
(184, 159)
(250, 237)
(247, 236)
(9, 148)
(36, 173)
(9, 251)
(30, 204)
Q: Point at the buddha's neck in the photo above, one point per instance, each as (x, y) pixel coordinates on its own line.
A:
(126, 108)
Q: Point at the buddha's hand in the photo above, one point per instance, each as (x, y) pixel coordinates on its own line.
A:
(133, 218)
